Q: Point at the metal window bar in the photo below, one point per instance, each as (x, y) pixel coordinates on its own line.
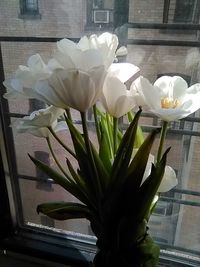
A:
(9, 145)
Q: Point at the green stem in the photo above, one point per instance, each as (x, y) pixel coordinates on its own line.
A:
(56, 160)
(97, 124)
(61, 142)
(68, 114)
(89, 151)
(115, 128)
(109, 127)
(162, 139)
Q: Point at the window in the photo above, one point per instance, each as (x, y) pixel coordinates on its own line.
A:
(29, 9)
(138, 23)
(100, 14)
(187, 11)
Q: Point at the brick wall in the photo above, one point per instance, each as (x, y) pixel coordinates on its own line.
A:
(58, 18)
(146, 11)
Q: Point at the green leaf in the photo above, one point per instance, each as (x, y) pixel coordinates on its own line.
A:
(104, 152)
(103, 174)
(64, 210)
(75, 133)
(150, 187)
(78, 179)
(124, 151)
(138, 164)
(86, 168)
(136, 205)
(81, 184)
(107, 136)
(139, 135)
(82, 157)
(109, 127)
(59, 179)
(122, 196)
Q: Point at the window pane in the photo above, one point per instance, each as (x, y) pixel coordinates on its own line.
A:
(184, 11)
(171, 11)
(158, 51)
(46, 193)
(32, 5)
(20, 52)
(174, 228)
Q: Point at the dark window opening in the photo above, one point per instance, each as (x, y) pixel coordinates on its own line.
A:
(98, 4)
(187, 11)
(29, 9)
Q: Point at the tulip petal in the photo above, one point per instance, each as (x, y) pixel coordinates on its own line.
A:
(123, 71)
(152, 94)
(169, 180)
(75, 87)
(176, 84)
(179, 87)
(170, 114)
(66, 46)
(136, 91)
(84, 43)
(63, 59)
(106, 44)
(194, 89)
(87, 60)
(123, 105)
(36, 63)
(191, 103)
(46, 93)
(117, 100)
(53, 64)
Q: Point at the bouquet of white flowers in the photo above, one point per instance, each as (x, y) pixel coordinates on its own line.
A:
(117, 181)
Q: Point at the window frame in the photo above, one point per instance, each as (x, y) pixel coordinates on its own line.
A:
(27, 13)
(47, 244)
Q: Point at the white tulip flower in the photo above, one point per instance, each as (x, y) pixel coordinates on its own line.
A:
(79, 71)
(170, 98)
(73, 78)
(72, 88)
(116, 99)
(41, 131)
(39, 121)
(26, 77)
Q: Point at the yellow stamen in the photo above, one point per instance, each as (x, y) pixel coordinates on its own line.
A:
(169, 103)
